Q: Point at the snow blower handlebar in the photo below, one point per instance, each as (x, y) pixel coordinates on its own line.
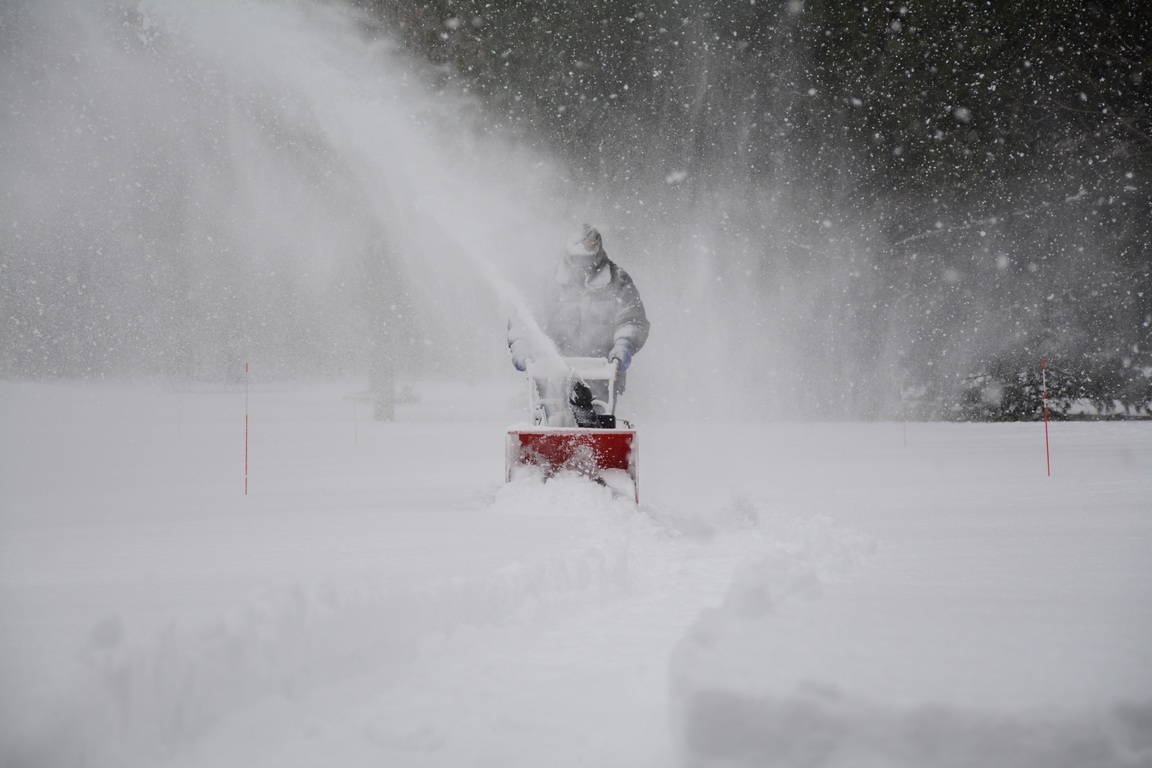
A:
(550, 382)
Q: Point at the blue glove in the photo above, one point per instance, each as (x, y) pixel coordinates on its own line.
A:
(519, 351)
(622, 354)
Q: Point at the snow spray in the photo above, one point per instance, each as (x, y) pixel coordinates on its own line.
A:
(1044, 405)
(512, 295)
(296, 136)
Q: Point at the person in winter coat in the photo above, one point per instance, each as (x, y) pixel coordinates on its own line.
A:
(592, 310)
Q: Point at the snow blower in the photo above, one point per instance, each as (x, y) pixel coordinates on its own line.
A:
(572, 406)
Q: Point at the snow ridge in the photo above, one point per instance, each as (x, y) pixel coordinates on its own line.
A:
(137, 701)
(722, 720)
(820, 725)
(795, 563)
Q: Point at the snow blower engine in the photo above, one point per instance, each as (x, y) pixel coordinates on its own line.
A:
(572, 405)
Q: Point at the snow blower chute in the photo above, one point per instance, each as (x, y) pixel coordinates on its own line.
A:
(572, 405)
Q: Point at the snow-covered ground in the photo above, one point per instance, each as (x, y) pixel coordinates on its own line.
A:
(795, 595)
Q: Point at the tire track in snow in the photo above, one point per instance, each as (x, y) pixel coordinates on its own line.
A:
(522, 664)
(576, 687)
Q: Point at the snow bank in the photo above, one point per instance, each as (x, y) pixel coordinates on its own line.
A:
(795, 563)
(731, 708)
(820, 725)
(136, 699)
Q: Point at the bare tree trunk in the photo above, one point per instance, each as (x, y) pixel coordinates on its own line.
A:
(382, 384)
(380, 297)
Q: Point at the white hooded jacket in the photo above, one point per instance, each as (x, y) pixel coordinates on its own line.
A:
(587, 313)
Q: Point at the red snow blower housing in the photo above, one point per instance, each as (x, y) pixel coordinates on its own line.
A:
(572, 405)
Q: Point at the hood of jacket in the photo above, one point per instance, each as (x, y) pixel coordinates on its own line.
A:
(598, 276)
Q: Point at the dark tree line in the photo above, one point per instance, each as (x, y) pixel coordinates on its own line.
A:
(975, 173)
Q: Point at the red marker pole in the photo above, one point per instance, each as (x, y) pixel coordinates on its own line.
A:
(904, 418)
(1044, 400)
(245, 429)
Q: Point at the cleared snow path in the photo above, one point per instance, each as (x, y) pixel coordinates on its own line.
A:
(577, 674)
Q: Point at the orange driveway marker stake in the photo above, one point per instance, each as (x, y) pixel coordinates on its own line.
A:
(1044, 400)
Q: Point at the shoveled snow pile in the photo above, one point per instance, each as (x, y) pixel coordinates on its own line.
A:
(1004, 652)
(823, 726)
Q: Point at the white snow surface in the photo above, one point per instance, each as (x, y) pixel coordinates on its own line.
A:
(785, 594)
